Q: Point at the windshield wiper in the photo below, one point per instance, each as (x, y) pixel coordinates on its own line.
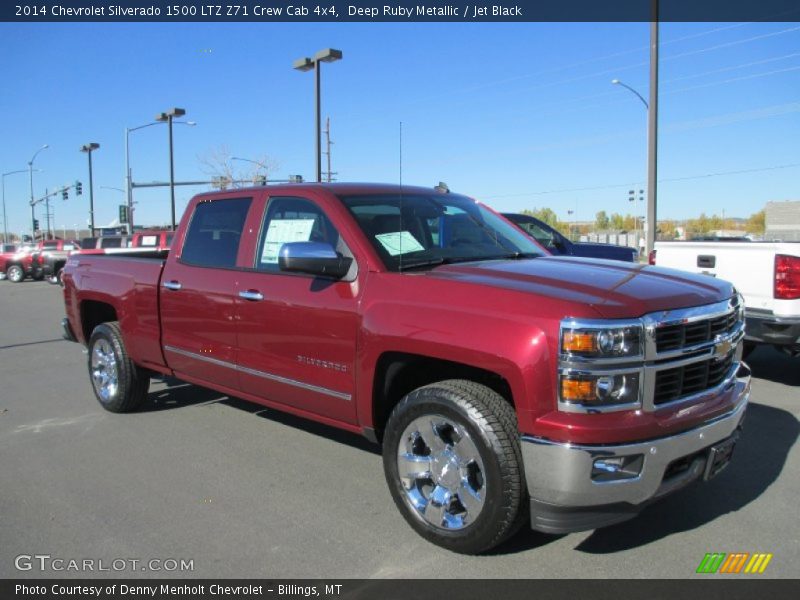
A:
(421, 264)
(511, 256)
(435, 262)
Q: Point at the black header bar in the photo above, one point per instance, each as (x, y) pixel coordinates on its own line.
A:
(464, 11)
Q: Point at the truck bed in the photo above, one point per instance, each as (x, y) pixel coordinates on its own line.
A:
(128, 281)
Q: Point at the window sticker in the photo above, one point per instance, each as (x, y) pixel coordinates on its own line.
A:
(282, 231)
(149, 240)
(399, 242)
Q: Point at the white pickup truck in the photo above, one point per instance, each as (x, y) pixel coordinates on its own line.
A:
(767, 274)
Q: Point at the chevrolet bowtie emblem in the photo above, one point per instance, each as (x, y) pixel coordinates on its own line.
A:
(722, 348)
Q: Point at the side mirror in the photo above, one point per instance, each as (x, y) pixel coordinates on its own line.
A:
(314, 258)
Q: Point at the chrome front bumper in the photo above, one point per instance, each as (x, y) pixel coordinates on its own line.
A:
(565, 497)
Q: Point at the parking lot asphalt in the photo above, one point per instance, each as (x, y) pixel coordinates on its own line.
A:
(244, 491)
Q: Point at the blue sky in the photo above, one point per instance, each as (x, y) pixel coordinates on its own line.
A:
(518, 115)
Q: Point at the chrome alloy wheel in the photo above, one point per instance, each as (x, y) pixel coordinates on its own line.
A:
(104, 370)
(442, 472)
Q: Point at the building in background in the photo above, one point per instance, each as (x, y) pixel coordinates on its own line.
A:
(783, 221)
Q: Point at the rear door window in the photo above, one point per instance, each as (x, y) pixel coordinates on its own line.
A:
(214, 233)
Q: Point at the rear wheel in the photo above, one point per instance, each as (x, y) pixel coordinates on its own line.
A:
(15, 274)
(453, 464)
(119, 384)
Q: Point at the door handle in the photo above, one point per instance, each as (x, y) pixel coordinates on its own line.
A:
(708, 261)
(172, 285)
(252, 295)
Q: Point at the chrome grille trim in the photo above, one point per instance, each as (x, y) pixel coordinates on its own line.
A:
(724, 346)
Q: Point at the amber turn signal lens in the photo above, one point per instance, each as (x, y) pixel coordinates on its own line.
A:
(579, 342)
(575, 390)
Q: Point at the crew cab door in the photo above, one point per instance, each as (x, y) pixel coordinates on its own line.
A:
(198, 293)
(297, 333)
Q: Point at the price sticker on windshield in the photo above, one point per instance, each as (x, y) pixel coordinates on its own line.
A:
(399, 242)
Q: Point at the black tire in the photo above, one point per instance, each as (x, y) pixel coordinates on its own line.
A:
(38, 276)
(15, 274)
(748, 348)
(489, 423)
(108, 363)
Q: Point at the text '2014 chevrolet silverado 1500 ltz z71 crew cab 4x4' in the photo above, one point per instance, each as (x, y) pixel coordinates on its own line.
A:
(505, 385)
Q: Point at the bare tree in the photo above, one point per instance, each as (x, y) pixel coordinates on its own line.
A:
(226, 172)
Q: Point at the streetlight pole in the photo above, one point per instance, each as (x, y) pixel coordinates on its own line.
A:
(89, 148)
(306, 64)
(652, 133)
(128, 174)
(255, 162)
(652, 129)
(30, 171)
(168, 116)
(5, 221)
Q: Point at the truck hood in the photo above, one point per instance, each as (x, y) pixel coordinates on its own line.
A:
(614, 289)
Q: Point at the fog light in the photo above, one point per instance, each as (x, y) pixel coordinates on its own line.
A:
(615, 468)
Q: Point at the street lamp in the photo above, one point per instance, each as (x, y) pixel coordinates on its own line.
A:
(306, 64)
(30, 171)
(89, 148)
(5, 221)
(255, 162)
(633, 91)
(652, 133)
(128, 181)
(167, 117)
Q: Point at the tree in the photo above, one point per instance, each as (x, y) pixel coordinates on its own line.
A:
(667, 230)
(219, 164)
(617, 221)
(547, 215)
(601, 221)
(757, 223)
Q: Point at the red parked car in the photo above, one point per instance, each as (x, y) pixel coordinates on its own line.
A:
(506, 386)
(18, 264)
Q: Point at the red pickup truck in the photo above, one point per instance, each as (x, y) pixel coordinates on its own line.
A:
(505, 385)
(21, 263)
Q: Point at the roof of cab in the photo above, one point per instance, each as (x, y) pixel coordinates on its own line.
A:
(344, 189)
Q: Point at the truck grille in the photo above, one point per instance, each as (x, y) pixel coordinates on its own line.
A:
(684, 335)
(679, 382)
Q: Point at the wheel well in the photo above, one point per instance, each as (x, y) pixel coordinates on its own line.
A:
(397, 374)
(93, 313)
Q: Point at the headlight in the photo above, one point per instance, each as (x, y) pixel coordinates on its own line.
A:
(741, 307)
(601, 341)
(597, 390)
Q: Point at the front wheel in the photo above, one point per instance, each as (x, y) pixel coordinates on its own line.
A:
(453, 464)
(119, 385)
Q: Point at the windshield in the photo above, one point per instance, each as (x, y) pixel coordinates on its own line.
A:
(418, 230)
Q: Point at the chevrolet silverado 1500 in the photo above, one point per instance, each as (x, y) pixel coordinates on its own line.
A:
(505, 385)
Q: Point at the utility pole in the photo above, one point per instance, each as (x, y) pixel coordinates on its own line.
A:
(47, 211)
(652, 133)
(327, 153)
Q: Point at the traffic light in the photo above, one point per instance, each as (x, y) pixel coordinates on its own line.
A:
(65, 194)
(123, 213)
(36, 224)
(78, 188)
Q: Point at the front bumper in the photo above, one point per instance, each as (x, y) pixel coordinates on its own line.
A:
(766, 328)
(566, 498)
